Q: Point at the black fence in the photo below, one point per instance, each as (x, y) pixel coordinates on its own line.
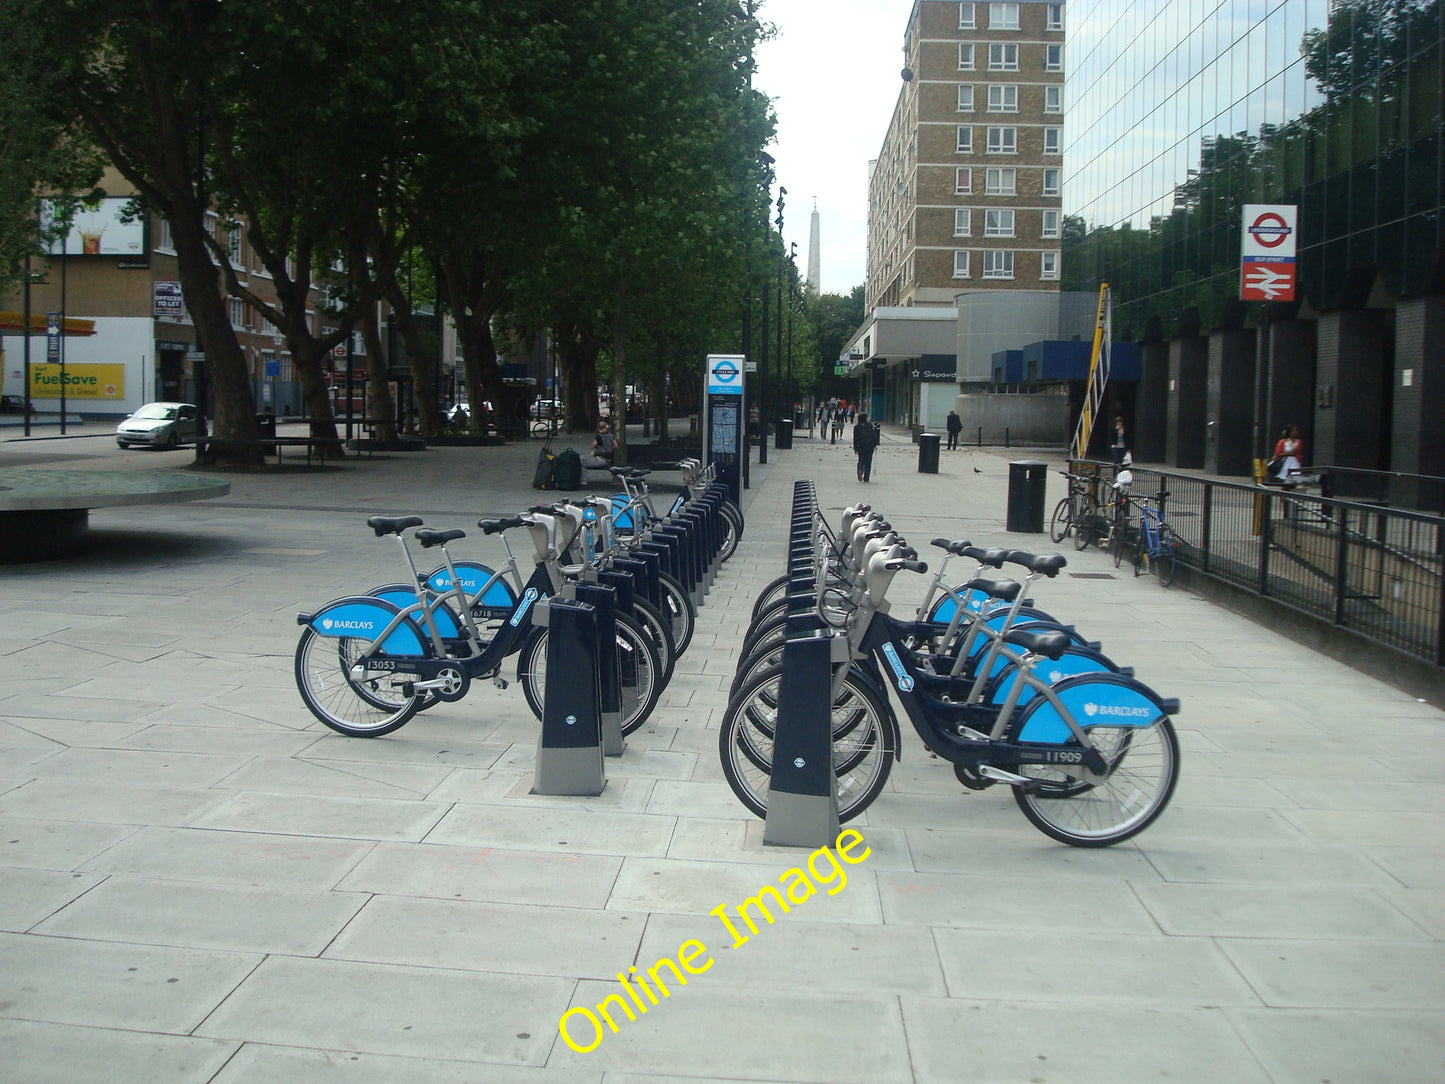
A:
(1356, 564)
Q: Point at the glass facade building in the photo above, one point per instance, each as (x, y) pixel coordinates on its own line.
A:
(1181, 113)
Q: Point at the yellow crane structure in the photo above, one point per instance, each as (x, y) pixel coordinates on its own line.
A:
(1098, 374)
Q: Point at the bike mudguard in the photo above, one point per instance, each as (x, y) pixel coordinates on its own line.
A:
(363, 617)
(473, 576)
(449, 625)
(1076, 660)
(1093, 700)
(974, 602)
(621, 520)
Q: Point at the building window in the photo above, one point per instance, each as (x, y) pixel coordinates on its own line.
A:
(1000, 181)
(1050, 227)
(1048, 265)
(1003, 140)
(1051, 182)
(965, 97)
(1053, 57)
(966, 17)
(998, 223)
(965, 140)
(1052, 139)
(1003, 56)
(965, 56)
(962, 222)
(1003, 98)
(963, 182)
(998, 264)
(237, 312)
(960, 263)
(1053, 16)
(1054, 99)
(1003, 16)
(164, 240)
(233, 245)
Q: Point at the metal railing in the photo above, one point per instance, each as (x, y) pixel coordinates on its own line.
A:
(1376, 570)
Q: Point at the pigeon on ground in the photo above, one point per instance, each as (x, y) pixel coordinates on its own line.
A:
(977, 471)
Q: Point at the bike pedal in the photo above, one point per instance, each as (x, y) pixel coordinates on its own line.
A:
(500, 682)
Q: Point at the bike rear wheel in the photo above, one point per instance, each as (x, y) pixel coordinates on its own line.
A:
(1085, 524)
(1143, 767)
(637, 701)
(365, 707)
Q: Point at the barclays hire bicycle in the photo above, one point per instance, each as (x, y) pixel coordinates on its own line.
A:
(1092, 758)
(365, 665)
(633, 512)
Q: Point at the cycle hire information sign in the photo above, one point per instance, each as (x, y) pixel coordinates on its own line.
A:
(1267, 252)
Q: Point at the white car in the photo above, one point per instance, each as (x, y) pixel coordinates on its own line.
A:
(159, 425)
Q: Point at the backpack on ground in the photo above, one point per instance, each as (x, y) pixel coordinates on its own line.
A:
(567, 470)
(546, 476)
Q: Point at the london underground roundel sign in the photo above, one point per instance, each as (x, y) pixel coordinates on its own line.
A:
(1267, 252)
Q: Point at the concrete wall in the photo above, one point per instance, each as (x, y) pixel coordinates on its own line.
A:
(1001, 320)
(1028, 419)
(1352, 371)
(1419, 392)
(1151, 405)
(1188, 397)
(1230, 421)
(1291, 384)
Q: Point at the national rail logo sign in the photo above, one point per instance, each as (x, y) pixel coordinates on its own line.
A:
(1267, 252)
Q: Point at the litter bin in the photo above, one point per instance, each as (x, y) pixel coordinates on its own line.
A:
(1026, 478)
(266, 421)
(927, 453)
(784, 434)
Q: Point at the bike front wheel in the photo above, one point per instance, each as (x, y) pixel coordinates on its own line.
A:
(1084, 525)
(862, 757)
(679, 610)
(1143, 766)
(640, 660)
(1063, 520)
(360, 707)
(1166, 560)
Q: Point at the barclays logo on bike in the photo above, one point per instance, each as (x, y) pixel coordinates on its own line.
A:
(332, 625)
(1092, 709)
(901, 678)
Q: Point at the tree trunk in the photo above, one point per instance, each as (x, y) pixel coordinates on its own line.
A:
(619, 370)
(379, 404)
(233, 412)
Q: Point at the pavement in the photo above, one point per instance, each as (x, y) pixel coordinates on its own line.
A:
(200, 882)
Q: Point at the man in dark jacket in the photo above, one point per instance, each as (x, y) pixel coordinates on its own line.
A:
(955, 427)
(865, 440)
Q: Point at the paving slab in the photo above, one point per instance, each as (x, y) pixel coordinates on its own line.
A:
(404, 908)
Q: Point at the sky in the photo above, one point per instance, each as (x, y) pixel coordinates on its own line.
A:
(833, 72)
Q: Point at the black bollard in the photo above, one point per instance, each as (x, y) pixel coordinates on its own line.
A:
(569, 749)
(802, 793)
(606, 598)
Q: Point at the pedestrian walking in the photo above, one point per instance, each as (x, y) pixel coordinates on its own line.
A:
(1120, 445)
(837, 425)
(955, 427)
(866, 436)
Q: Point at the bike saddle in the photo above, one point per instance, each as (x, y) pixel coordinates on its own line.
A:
(993, 556)
(1047, 564)
(1051, 644)
(429, 538)
(492, 526)
(385, 525)
(955, 548)
(1004, 590)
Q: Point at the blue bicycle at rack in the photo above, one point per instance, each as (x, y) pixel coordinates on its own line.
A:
(1092, 758)
(365, 665)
